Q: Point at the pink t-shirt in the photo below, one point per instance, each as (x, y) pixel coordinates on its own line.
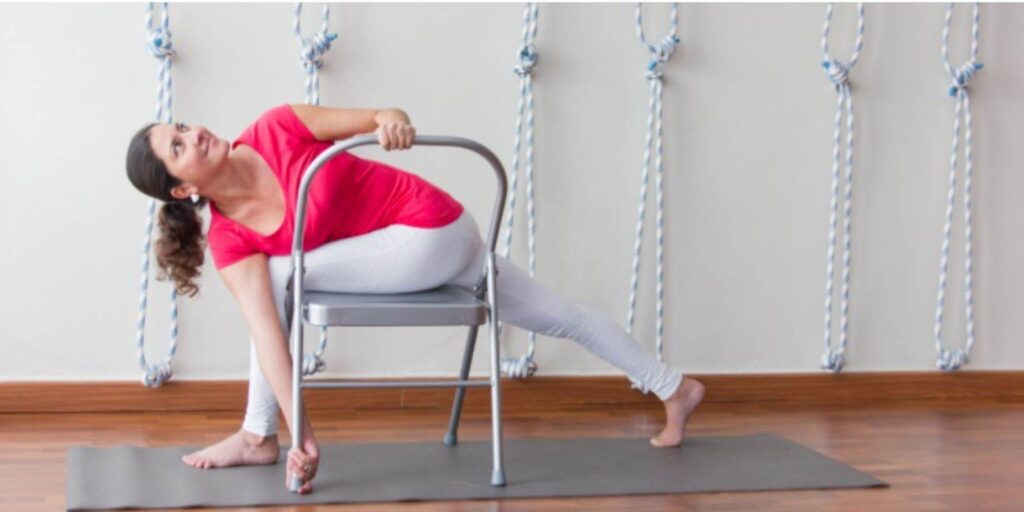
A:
(349, 196)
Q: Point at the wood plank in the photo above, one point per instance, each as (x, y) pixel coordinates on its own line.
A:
(556, 393)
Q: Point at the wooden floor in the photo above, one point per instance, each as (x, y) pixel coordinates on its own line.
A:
(935, 458)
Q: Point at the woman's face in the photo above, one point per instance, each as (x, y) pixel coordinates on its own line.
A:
(191, 153)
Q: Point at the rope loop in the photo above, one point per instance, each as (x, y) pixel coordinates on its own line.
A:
(523, 366)
(158, 40)
(961, 76)
(842, 173)
(156, 374)
(660, 52)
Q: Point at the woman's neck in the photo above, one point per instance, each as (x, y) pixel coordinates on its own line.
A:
(240, 183)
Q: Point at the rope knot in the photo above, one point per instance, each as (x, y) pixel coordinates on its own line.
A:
(962, 75)
(951, 360)
(156, 375)
(313, 49)
(312, 364)
(665, 48)
(832, 361)
(519, 368)
(837, 73)
(527, 60)
(158, 42)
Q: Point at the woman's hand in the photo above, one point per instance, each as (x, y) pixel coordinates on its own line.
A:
(393, 130)
(303, 464)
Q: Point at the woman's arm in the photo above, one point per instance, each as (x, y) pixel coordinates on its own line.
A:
(328, 123)
(249, 281)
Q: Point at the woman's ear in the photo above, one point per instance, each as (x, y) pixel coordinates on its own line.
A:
(182, 192)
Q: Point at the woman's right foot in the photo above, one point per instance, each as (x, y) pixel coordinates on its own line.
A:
(239, 449)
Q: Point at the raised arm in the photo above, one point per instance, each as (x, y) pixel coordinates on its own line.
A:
(329, 124)
(249, 281)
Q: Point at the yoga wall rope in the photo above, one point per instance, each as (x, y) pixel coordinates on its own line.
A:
(311, 51)
(839, 74)
(660, 53)
(953, 360)
(523, 366)
(158, 43)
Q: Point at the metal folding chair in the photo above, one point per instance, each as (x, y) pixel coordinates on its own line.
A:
(445, 305)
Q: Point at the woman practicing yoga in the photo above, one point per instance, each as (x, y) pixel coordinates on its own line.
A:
(370, 228)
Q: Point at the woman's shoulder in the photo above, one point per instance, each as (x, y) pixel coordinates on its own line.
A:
(276, 121)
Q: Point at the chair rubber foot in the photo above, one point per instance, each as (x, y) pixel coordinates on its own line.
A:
(451, 439)
(498, 478)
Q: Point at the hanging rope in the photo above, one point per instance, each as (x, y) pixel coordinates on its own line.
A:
(311, 54)
(953, 360)
(311, 51)
(523, 366)
(311, 59)
(660, 54)
(158, 43)
(839, 74)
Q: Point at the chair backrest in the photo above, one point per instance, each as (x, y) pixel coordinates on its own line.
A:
(419, 140)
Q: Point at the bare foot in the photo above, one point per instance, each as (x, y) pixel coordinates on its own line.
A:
(677, 409)
(239, 449)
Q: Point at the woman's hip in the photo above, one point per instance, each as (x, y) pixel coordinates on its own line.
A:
(395, 259)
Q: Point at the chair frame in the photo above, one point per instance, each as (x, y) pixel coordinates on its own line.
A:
(484, 292)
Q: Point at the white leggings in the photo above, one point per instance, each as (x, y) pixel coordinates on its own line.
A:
(402, 258)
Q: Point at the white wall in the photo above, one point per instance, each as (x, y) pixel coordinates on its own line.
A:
(748, 128)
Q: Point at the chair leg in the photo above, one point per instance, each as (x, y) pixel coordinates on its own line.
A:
(452, 437)
(295, 332)
(498, 473)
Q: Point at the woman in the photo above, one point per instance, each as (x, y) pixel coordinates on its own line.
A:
(370, 228)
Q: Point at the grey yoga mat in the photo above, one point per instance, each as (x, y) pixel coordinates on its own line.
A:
(135, 477)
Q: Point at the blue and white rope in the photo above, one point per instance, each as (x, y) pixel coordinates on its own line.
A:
(660, 54)
(311, 51)
(524, 366)
(953, 360)
(310, 56)
(158, 43)
(838, 73)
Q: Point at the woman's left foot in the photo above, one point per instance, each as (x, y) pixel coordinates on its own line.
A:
(677, 410)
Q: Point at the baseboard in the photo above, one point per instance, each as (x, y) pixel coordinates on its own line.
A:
(981, 388)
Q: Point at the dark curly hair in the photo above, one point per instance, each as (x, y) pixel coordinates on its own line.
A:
(180, 250)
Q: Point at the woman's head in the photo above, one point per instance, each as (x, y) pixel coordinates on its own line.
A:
(172, 163)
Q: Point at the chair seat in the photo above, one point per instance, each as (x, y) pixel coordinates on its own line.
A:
(444, 305)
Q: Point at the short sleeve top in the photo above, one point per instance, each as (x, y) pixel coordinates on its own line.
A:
(349, 196)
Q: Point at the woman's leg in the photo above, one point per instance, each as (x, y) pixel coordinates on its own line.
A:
(397, 259)
(525, 303)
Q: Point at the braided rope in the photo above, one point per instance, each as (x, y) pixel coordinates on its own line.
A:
(839, 74)
(158, 43)
(660, 54)
(311, 51)
(953, 360)
(524, 366)
(310, 57)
